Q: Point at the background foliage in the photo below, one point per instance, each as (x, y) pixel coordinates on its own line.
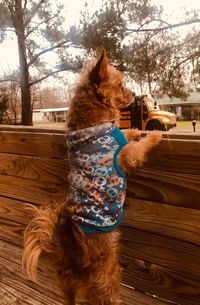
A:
(155, 54)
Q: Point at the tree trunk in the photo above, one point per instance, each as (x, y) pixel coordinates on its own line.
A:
(24, 82)
(149, 81)
(193, 74)
(148, 69)
(18, 21)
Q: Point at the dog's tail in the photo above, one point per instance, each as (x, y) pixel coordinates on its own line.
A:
(43, 235)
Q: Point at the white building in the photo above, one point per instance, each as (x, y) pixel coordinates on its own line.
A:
(50, 114)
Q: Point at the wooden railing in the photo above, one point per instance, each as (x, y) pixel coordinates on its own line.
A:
(160, 246)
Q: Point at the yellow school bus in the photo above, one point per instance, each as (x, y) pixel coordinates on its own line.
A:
(145, 114)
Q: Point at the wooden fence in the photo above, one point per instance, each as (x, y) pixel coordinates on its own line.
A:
(160, 247)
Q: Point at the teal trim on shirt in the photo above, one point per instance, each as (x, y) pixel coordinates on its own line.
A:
(122, 141)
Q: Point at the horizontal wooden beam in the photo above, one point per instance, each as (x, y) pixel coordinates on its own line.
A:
(160, 247)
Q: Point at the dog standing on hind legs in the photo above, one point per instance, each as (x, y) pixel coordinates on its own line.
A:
(82, 232)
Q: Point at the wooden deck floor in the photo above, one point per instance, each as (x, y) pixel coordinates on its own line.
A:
(15, 293)
(16, 289)
(160, 244)
(133, 297)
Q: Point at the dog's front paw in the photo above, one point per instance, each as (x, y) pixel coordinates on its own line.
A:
(155, 137)
(132, 134)
(131, 156)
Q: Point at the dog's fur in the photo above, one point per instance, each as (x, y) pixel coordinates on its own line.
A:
(87, 265)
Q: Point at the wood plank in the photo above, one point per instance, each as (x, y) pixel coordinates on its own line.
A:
(53, 145)
(187, 156)
(160, 250)
(14, 210)
(171, 253)
(166, 220)
(11, 231)
(16, 288)
(156, 249)
(176, 155)
(11, 267)
(36, 168)
(163, 282)
(33, 144)
(13, 292)
(177, 189)
(34, 191)
(134, 297)
(160, 245)
(31, 129)
(165, 187)
(171, 221)
(161, 157)
(178, 135)
(62, 130)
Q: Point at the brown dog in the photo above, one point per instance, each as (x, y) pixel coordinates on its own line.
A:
(81, 233)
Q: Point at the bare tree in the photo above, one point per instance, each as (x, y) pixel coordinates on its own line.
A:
(141, 42)
(38, 27)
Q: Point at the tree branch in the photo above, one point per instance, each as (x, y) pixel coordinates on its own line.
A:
(39, 24)
(154, 20)
(25, 4)
(60, 44)
(8, 30)
(9, 80)
(167, 27)
(34, 11)
(50, 74)
(183, 61)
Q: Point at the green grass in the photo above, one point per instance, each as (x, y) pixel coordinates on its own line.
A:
(186, 123)
(50, 125)
(180, 124)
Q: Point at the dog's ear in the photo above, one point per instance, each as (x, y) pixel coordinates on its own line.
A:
(99, 73)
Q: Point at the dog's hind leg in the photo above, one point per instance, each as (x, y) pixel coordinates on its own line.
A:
(104, 289)
(66, 285)
(70, 298)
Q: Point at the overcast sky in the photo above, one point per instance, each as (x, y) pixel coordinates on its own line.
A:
(8, 49)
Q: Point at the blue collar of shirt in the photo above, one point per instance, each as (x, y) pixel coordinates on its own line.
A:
(86, 135)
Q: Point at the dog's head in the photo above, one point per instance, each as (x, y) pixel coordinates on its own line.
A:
(99, 96)
(109, 83)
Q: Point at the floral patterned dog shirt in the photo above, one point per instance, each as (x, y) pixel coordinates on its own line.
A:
(97, 185)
